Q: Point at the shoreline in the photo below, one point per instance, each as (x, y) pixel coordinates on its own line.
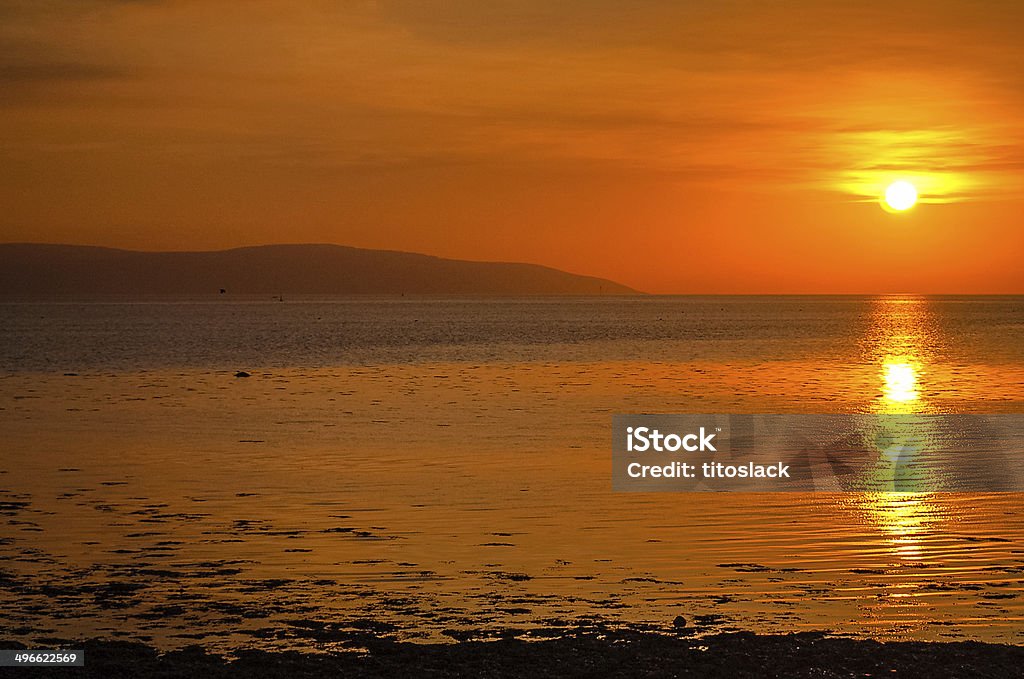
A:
(586, 653)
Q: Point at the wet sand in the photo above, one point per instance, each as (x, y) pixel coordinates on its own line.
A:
(578, 653)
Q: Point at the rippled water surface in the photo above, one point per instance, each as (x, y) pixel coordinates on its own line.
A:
(423, 468)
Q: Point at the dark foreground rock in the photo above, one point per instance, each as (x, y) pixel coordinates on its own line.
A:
(585, 655)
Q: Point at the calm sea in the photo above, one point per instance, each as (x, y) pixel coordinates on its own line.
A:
(437, 468)
(132, 335)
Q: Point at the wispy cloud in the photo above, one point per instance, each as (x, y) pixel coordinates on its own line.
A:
(368, 110)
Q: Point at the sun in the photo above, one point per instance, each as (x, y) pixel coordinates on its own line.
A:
(901, 195)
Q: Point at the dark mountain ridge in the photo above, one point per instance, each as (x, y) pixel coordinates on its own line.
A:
(32, 268)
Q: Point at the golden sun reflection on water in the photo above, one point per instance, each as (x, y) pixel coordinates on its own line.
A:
(903, 341)
(900, 383)
(905, 518)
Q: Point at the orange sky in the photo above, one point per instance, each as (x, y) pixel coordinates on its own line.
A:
(672, 146)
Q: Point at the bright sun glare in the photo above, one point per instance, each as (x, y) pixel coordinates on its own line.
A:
(901, 195)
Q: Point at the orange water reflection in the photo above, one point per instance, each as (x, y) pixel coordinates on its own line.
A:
(903, 341)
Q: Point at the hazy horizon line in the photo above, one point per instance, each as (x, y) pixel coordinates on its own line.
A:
(636, 292)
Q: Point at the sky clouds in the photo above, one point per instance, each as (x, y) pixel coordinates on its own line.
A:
(179, 123)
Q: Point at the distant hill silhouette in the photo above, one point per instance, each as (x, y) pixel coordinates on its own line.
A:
(29, 268)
